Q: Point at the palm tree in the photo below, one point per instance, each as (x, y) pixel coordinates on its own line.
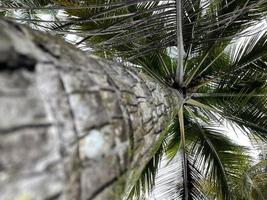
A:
(218, 67)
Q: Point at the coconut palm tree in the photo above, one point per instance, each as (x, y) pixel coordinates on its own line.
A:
(207, 51)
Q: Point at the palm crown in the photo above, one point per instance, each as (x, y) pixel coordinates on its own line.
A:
(205, 50)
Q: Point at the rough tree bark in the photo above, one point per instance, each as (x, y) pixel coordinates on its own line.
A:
(73, 126)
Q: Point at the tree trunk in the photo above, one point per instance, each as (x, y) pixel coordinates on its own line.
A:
(73, 126)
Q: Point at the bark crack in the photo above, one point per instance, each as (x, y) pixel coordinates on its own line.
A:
(77, 163)
(126, 116)
(104, 186)
(25, 126)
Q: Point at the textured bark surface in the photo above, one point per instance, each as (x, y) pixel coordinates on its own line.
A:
(73, 126)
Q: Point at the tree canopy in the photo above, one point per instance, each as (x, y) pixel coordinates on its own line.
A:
(209, 50)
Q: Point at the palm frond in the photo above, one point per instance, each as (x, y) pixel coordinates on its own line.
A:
(222, 164)
(182, 150)
(255, 181)
(204, 24)
(240, 98)
(242, 61)
(193, 181)
(247, 111)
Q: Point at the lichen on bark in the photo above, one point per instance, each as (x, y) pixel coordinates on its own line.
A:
(55, 101)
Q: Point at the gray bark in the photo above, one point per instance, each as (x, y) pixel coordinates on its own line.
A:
(73, 126)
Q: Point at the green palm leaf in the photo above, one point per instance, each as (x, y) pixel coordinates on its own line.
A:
(255, 181)
(223, 164)
(203, 24)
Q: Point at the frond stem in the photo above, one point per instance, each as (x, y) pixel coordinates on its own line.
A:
(183, 151)
(180, 46)
(226, 95)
